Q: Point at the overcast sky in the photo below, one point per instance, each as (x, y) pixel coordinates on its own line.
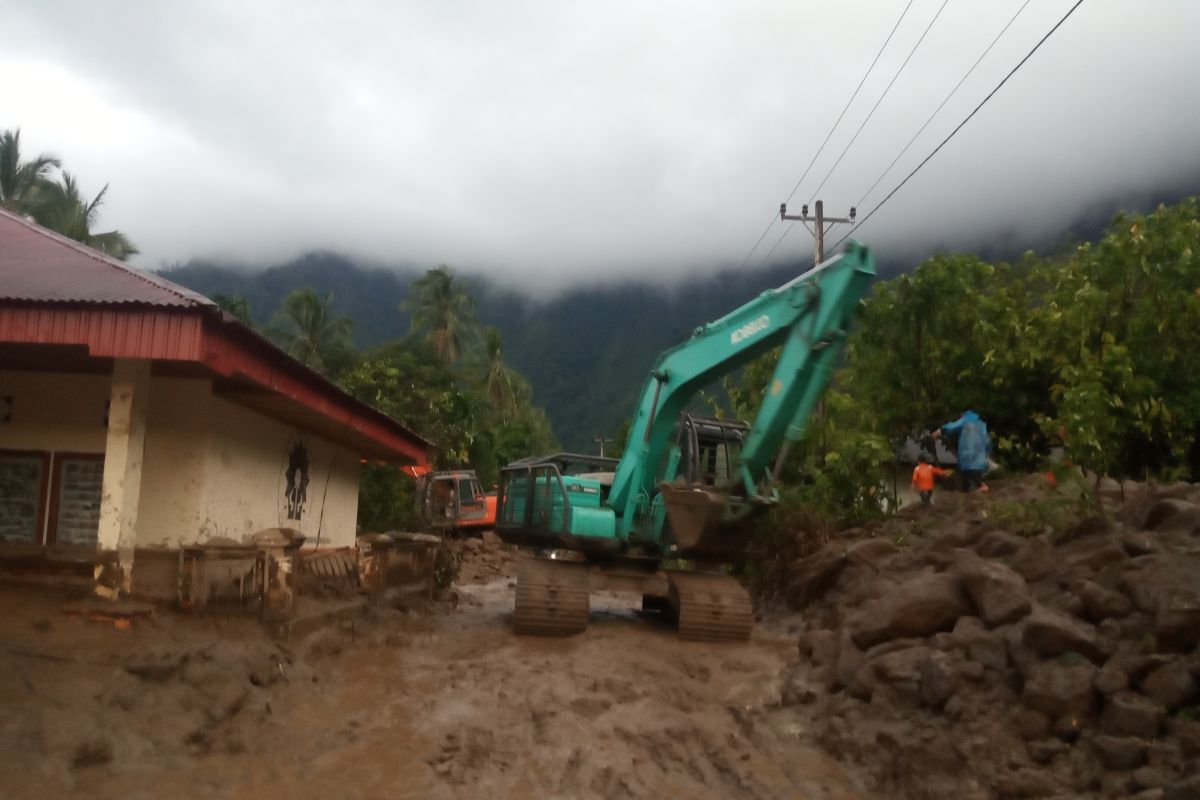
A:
(555, 141)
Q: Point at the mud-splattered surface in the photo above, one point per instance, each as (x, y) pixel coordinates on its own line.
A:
(441, 701)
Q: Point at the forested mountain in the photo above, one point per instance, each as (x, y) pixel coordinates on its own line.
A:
(586, 352)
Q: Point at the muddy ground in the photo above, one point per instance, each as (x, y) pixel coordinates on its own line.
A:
(1023, 643)
(438, 700)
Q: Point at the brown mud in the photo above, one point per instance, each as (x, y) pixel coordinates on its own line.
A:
(1017, 644)
(438, 701)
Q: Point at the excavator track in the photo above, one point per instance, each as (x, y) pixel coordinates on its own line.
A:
(710, 608)
(552, 597)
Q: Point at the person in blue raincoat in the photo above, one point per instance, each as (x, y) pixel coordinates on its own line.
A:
(973, 448)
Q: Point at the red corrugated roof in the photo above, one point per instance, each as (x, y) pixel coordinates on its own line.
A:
(72, 273)
(54, 291)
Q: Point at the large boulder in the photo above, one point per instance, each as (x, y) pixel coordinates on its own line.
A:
(1119, 752)
(1130, 714)
(1185, 789)
(1101, 604)
(921, 606)
(999, 593)
(1053, 633)
(1172, 685)
(1168, 588)
(979, 644)
(1161, 511)
(815, 575)
(1036, 560)
(999, 544)
(871, 552)
(1060, 689)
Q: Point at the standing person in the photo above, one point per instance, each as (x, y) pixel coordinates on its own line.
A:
(973, 448)
(923, 477)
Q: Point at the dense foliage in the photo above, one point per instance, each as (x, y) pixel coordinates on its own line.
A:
(1096, 349)
(30, 187)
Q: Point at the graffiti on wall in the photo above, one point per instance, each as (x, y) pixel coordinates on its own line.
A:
(296, 490)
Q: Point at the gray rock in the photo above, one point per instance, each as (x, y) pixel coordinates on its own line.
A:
(847, 663)
(1139, 543)
(1177, 622)
(1031, 724)
(1101, 604)
(1129, 714)
(1185, 521)
(1187, 733)
(1112, 677)
(1043, 751)
(1119, 752)
(820, 647)
(979, 644)
(1036, 560)
(1172, 685)
(1094, 552)
(815, 575)
(937, 680)
(1060, 690)
(999, 593)
(1186, 789)
(999, 544)
(1161, 511)
(1150, 778)
(871, 552)
(1053, 633)
(921, 606)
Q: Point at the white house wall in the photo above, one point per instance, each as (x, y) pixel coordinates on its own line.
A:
(249, 458)
(175, 462)
(53, 411)
(211, 468)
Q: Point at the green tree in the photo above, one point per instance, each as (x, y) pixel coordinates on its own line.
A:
(443, 310)
(235, 305)
(305, 327)
(19, 179)
(60, 206)
(501, 384)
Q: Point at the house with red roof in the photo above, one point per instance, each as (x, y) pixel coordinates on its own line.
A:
(134, 413)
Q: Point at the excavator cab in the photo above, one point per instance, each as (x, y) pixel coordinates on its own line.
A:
(454, 501)
(705, 503)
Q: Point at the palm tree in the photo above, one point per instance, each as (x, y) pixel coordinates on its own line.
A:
(60, 207)
(501, 384)
(445, 310)
(19, 180)
(236, 306)
(304, 327)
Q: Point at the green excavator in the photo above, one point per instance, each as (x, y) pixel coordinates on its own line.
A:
(686, 487)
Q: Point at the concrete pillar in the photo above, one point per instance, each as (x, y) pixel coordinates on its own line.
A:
(123, 472)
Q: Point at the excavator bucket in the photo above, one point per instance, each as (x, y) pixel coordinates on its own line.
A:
(706, 523)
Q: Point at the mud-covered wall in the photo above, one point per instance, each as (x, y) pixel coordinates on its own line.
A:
(175, 461)
(53, 411)
(210, 468)
(264, 474)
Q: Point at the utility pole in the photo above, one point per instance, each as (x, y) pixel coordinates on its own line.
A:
(600, 440)
(821, 222)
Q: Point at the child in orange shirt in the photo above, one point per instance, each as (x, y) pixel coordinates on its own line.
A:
(922, 479)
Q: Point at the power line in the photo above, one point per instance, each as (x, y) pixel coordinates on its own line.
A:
(867, 74)
(857, 89)
(982, 103)
(938, 110)
(775, 246)
(854, 138)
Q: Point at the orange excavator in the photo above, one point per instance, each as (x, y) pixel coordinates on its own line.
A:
(453, 501)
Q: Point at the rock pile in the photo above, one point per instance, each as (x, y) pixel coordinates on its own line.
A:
(486, 558)
(972, 662)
